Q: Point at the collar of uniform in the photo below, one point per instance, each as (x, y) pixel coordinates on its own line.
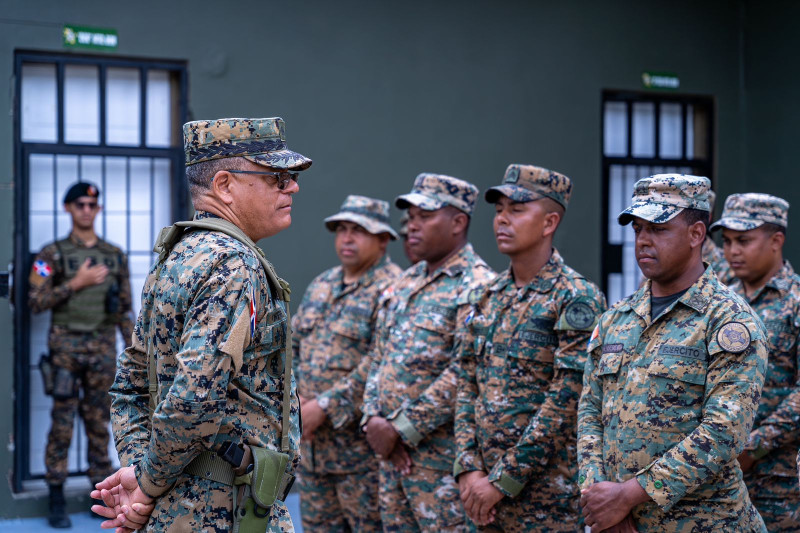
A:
(337, 275)
(455, 265)
(697, 297)
(200, 215)
(782, 280)
(78, 242)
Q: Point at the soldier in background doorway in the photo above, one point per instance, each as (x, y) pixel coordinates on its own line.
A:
(754, 232)
(84, 281)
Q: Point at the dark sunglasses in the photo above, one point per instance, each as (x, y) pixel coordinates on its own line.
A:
(84, 205)
(283, 177)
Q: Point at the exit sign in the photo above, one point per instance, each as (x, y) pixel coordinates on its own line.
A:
(94, 38)
(660, 80)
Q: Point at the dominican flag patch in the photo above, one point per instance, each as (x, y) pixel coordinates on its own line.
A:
(252, 313)
(42, 268)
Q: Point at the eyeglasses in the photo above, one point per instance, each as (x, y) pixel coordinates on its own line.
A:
(283, 177)
(85, 205)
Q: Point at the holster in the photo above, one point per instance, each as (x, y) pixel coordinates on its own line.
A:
(65, 385)
(262, 486)
(48, 375)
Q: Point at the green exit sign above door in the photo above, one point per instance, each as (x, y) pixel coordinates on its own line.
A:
(660, 80)
(94, 38)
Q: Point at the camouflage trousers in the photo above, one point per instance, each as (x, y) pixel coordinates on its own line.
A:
(777, 499)
(196, 504)
(340, 502)
(522, 514)
(425, 500)
(95, 372)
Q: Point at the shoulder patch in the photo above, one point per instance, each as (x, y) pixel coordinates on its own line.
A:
(474, 295)
(42, 269)
(734, 337)
(579, 315)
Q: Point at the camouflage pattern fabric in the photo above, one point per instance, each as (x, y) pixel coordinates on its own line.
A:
(219, 337)
(425, 500)
(773, 481)
(747, 211)
(660, 198)
(671, 402)
(332, 337)
(412, 379)
(434, 191)
(712, 255)
(521, 372)
(369, 213)
(259, 140)
(89, 356)
(524, 183)
(340, 502)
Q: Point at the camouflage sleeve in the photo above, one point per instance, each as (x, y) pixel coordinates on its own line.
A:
(371, 401)
(125, 323)
(732, 392)
(344, 396)
(46, 289)
(468, 455)
(553, 425)
(590, 424)
(297, 319)
(187, 420)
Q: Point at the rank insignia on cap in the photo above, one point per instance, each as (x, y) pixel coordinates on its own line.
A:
(734, 337)
(42, 268)
(91, 191)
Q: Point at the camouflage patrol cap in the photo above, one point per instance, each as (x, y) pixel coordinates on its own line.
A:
(660, 198)
(434, 191)
(525, 183)
(259, 140)
(747, 211)
(369, 213)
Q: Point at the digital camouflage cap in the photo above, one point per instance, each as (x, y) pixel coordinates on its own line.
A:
(660, 198)
(259, 140)
(525, 183)
(743, 212)
(369, 213)
(434, 191)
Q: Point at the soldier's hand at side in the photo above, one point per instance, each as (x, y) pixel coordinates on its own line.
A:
(88, 275)
(466, 480)
(626, 526)
(401, 459)
(313, 417)
(381, 436)
(128, 507)
(606, 504)
(746, 461)
(480, 501)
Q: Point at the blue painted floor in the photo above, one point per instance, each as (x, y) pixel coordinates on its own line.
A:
(83, 522)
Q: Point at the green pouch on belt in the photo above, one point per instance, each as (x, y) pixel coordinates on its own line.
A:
(262, 487)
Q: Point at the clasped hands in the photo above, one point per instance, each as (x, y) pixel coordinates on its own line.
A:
(385, 441)
(127, 508)
(607, 505)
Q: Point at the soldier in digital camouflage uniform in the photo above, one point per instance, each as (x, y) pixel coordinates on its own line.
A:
(521, 367)
(84, 281)
(219, 332)
(672, 382)
(712, 254)
(409, 401)
(754, 231)
(407, 251)
(332, 340)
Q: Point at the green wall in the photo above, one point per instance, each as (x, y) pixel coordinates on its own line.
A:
(376, 92)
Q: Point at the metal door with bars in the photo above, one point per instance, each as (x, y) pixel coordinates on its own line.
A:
(114, 122)
(645, 134)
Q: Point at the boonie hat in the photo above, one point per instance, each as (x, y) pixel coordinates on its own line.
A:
(259, 140)
(660, 198)
(369, 213)
(525, 183)
(434, 191)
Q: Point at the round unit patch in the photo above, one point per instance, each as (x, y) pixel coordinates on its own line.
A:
(579, 315)
(734, 337)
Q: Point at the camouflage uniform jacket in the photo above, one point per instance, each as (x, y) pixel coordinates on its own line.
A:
(332, 337)
(522, 357)
(219, 336)
(712, 254)
(412, 379)
(665, 402)
(48, 289)
(776, 431)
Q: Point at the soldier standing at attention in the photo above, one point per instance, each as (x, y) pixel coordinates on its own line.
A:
(332, 340)
(754, 231)
(205, 411)
(712, 254)
(521, 359)
(410, 397)
(410, 255)
(672, 382)
(84, 280)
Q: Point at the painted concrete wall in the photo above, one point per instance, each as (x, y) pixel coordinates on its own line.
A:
(376, 92)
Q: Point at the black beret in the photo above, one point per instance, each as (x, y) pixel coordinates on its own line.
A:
(83, 188)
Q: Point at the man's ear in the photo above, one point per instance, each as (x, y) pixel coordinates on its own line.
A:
(221, 185)
(697, 234)
(776, 241)
(460, 222)
(551, 221)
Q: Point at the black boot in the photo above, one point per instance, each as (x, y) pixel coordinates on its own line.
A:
(58, 517)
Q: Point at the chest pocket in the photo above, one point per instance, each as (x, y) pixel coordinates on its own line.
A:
(310, 317)
(263, 360)
(353, 340)
(676, 392)
(433, 334)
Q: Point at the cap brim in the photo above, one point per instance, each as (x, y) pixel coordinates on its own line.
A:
(372, 226)
(282, 159)
(426, 203)
(514, 192)
(652, 212)
(736, 224)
